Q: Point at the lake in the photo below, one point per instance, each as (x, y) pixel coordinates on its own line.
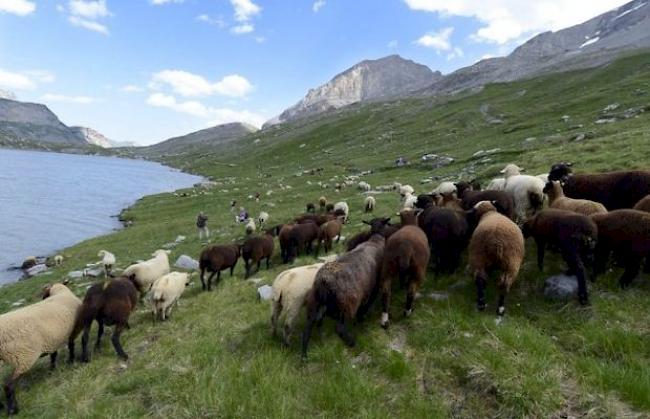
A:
(49, 201)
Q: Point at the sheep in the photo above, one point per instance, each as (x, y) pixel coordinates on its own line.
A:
(406, 256)
(369, 204)
(318, 219)
(362, 237)
(257, 248)
(110, 303)
(342, 208)
(327, 233)
(556, 199)
(108, 260)
(405, 190)
(29, 262)
(310, 207)
(445, 188)
(643, 204)
(626, 232)
(526, 191)
(574, 234)
(345, 288)
(357, 239)
(470, 197)
(364, 186)
(250, 227)
(29, 332)
(497, 243)
(329, 207)
(290, 289)
(409, 202)
(301, 239)
(58, 260)
(166, 292)
(322, 203)
(262, 219)
(615, 190)
(283, 238)
(496, 184)
(215, 259)
(146, 273)
(544, 177)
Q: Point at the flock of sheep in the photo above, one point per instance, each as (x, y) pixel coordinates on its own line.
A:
(588, 217)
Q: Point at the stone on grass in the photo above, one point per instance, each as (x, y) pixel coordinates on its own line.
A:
(561, 287)
(36, 269)
(75, 274)
(186, 262)
(265, 292)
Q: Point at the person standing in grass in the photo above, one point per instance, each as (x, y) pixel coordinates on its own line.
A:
(202, 225)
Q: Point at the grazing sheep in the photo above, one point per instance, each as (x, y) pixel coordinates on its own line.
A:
(58, 260)
(556, 199)
(250, 227)
(327, 233)
(283, 238)
(574, 234)
(527, 192)
(215, 259)
(470, 197)
(369, 204)
(110, 303)
(145, 273)
(342, 209)
(322, 203)
(108, 260)
(497, 243)
(310, 207)
(445, 188)
(262, 219)
(364, 186)
(257, 248)
(290, 289)
(615, 190)
(345, 288)
(166, 292)
(626, 232)
(29, 332)
(329, 208)
(497, 184)
(301, 239)
(643, 204)
(406, 256)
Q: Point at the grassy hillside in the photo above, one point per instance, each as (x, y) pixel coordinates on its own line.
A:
(216, 358)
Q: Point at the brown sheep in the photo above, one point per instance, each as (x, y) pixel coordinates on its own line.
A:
(322, 203)
(574, 234)
(345, 289)
(470, 196)
(110, 303)
(643, 204)
(283, 238)
(406, 256)
(327, 233)
(255, 249)
(215, 259)
(318, 219)
(310, 207)
(626, 232)
(557, 200)
(497, 243)
(301, 239)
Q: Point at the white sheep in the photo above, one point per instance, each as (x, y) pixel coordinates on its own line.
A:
(290, 290)
(496, 184)
(34, 330)
(58, 260)
(409, 201)
(108, 260)
(342, 207)
(364, 186)
(406, 190)
(262, 218)
(147, 272)
(250, 227)
(396, 186)
(445, 188)
(369, 204)
(166, 292)
(544, 177)
(527, 192)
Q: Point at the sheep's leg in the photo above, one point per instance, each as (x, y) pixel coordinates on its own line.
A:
(410, 297)
(100, 332)
(481, 280)
(646, 269)
(71, 350)
(232, 269)
(268, 262)
(292, 312)
(53, 356)
(84, 344)
(277, 309)
(632, 265)
(116, 342)
(247, 267)
(10, 394)
(343, 332)
(306, 334)
(202, 280)
(541, 245)
(501, 306)
(218, 273)
(577, 268)
(385, 300)
(259, 263)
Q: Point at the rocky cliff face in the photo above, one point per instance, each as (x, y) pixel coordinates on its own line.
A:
(93, 137)
(369, 80)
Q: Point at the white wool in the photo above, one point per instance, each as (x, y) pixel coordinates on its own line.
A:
(406, 190)
(58, 259)
(262, 218)
(364, 186)
(544, 177)
(343, 206)
(409, 201)
(521, 187)
(166, 291)
(496, 184)
(108, 260)
(369, 204)
(147, 272)
(445, 188)
(511, 170)
(250, 226)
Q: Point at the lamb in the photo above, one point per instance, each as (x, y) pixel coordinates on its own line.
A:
(250, 227)
(29, 332)
(145, 273)
(615, 190)
(262, 219)
(497, 243)
(626, 232)
(342, 208)
(527, 192)
(407, 257)
(470, 197)
(574, 234)
(215, 259)
(364, 186)
(643, 204)
(290, 289)
(327, 233)
(166, 292)
(345, 288)
(369, 204)
(301, 239)
(322, 203)
(556, 199)
(108, 260)
(257, 248)
(110, 303)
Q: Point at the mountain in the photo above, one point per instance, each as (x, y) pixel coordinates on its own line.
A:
(5, 94)
(593, 43)
(217, 135)
(369, 80)
(93, 137)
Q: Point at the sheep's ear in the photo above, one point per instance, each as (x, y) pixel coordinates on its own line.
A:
(385, 220)
(502, 171)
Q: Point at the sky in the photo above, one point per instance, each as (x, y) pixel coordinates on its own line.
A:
(147, 70)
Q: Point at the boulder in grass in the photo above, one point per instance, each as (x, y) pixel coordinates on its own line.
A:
(265, 292)
(75, 274)
(561, 287)
(186, 262)
(36, 269)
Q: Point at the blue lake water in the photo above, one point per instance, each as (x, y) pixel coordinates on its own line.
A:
(49, 201)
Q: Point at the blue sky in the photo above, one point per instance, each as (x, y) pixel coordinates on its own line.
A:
(146, 70)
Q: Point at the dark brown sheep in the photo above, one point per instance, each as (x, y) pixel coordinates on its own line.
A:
(301, 239)
(626, 232)
(329, 208)
(387, 230)
(575, 235)
(329, 231)
(318, 219)
(215, 259)
(615, 190)
(255, 249)
(643, 204)
(310, 207)
(345, 289)
(406, 256)
(110, 303)
(322, 203)
(470, 197)
(283, 238)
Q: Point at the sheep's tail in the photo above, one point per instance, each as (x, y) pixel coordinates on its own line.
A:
(536, 199)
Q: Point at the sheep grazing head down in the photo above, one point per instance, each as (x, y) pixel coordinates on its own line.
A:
(560, 171)
(377, 224)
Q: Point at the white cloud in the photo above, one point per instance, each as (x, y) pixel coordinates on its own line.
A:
(245, 10)
(241, 29)
(26, 80)
(83, 100)
(392, 44)
(215, 116)
(507, 20)
(17, 7)
(89, 9)
(218, 21)
(88, 24)
(40, 76)
(160, 2)
(260, 39)
(131, 88)
(456, 52)
(437, 40)
(318, 4)
(192, 85)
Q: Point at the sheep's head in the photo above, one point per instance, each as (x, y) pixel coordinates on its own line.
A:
(511, 170)
(560, 171)
(377, 224)
(424, 201)
(463, 186)
(483, 207)
(53, 289)
(408, 216)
